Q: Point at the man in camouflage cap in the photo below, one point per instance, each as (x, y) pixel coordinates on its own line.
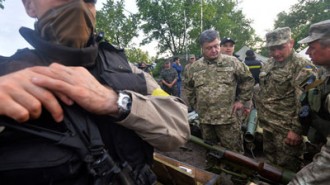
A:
(211, 91)
(192, 59)
(317, 172)
(278, 37)
(278, 102)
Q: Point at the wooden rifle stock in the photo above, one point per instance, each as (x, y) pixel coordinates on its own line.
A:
(265, 170)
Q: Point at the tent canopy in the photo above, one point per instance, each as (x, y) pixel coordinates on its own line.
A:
(242, 51)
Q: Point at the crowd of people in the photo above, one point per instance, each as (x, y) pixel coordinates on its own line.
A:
(71, 68)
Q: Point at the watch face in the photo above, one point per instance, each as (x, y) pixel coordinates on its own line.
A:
(124, 103)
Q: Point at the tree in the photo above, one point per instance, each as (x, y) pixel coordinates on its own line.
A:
(302, 15)
(136, 55)
(119, 28)
(1, 4)
(176, 24)
(164, 21)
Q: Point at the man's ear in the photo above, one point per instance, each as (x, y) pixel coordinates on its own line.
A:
(30, 8)
(292, 42)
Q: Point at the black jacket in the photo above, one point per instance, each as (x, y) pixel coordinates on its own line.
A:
(254, 66)
(27, 159)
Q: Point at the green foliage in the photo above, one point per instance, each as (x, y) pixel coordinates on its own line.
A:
(158, 68)
(302, 15)
(164, 21)
(136, 55)
(1, 4)
(119, 28)
(176, 24)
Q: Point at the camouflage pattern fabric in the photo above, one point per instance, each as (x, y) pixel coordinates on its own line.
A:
(317, 172)
(278, 101)
(278, 36)
(211, 91)
(169, 75)
(225, 133)
(279, 153)
(186, 71)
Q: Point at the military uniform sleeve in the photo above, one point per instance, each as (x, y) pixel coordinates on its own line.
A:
(304, 72)
(245, 82)
(189, 88)
(162, 121)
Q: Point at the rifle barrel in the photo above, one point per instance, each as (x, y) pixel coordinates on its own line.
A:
(263, 169)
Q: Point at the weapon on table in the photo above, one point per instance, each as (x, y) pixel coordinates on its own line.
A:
(250, 168)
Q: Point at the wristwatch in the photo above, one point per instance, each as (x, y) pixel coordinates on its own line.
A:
(124, 103)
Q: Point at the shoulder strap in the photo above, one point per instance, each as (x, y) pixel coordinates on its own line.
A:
(83, 136)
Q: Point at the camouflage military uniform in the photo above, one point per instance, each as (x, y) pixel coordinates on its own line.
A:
(211, 90)
(278, 105)
(186, 71)
(169, 75)
(317, 172)
(318, 98)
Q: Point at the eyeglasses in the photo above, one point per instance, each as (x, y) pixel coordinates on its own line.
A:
(90, 1)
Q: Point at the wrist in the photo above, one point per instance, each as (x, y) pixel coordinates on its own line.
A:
(124, 103)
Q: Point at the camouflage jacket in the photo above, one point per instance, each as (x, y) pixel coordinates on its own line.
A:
(278, 101)
(169, 75)
(211, 88)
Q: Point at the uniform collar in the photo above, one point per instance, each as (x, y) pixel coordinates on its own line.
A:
(289, 58)
(61, 54)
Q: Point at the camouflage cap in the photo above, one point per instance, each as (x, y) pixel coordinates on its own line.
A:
(278, 36)
(191, 56)
(317, 31)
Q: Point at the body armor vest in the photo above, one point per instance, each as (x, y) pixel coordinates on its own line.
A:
(34, 160)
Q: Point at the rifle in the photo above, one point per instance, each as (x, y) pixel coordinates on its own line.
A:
(252, 169)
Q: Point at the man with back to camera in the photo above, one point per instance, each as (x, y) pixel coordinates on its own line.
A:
(278, 101)
(253, 64)
(64, 35)
(211, 91)
(317, 172)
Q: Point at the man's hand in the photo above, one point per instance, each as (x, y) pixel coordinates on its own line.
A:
(236, 107)
(80, 86)
(293, 139)
(22, 100)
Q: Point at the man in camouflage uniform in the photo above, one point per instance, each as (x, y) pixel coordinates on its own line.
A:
(317, 172)
(192, 59)
(211, 88)
(278, 102)
(169, 77)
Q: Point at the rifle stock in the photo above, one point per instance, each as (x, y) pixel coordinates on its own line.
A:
(265, 170)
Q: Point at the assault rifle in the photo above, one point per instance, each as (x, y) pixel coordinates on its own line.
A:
(248, 169)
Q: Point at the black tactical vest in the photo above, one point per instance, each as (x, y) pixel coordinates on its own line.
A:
(28, 159)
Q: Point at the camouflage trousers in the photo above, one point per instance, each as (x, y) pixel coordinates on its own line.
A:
(279, 153)
(228, 136)
(171, 91)
(317, 172)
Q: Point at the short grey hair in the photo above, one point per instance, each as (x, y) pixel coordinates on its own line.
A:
(208, 36)
(325, 42)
